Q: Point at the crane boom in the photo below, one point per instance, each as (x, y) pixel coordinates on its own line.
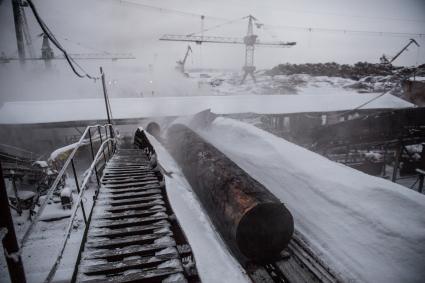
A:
(404, 48)
(384, 59)
(221, 39)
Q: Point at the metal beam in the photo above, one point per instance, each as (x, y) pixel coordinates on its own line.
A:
(221, 39)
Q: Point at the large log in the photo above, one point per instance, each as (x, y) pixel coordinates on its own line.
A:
(253, 222)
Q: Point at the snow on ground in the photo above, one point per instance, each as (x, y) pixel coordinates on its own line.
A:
(229, 84)
(213, 260)
(43, 246)
(366, 228)
(31, 112)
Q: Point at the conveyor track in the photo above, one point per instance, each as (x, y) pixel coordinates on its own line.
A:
(133, 235)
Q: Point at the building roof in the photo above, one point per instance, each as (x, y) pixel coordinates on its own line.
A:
(35, 112)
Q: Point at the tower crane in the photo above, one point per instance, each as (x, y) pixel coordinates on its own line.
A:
(250, 40)
(181, 63)
(24, 41)
(386, 61)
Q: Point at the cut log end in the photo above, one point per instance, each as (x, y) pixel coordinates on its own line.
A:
(264, 231)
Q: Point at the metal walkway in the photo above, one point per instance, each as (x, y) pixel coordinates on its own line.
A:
(133, 235)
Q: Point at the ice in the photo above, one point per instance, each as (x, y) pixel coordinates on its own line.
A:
(169, 250)
(173, 263)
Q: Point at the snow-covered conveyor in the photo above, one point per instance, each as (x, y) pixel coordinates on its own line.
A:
(133, 235)
(365, 228)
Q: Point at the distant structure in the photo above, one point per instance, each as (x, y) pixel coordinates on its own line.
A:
(181, 63)
(25, 46)
(388, 61)
(250, 41)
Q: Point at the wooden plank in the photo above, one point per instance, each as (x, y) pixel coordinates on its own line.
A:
(135, 184)
(135, 230)
(133, 206)
(119, 266)
(128, 222)
(142, 276)
(129, 240)
(127, 190)
(128, 195)
(148, 249)
(129, 180)
(129, 213)
(130, 200)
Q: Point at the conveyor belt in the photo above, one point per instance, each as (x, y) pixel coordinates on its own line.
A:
(133, 235)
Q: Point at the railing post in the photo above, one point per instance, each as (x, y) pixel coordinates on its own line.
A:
(10, 244)
(101, 141)
(92, 156)
(78, 189)
(109, 152)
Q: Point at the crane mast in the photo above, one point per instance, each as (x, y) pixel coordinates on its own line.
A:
(250, 40)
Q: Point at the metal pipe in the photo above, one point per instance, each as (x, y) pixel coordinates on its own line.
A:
(252, 221)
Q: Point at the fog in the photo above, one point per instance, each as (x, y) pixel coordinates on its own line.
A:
(93, 26)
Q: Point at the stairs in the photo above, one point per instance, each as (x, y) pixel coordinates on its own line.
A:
(133, 234)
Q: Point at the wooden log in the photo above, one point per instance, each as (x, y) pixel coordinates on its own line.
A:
(253, 222)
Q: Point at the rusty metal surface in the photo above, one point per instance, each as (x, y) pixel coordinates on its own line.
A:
(253, 222)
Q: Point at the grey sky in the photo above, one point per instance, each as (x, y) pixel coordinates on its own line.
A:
(109, 25)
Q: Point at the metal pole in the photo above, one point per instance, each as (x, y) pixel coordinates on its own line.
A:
(17, 17)
(78, 189)
(105, 94)
(101, 141)
(10, 244)
(397, 162)
(92, 156)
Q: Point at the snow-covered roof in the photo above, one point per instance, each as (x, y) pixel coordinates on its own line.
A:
(32, 112)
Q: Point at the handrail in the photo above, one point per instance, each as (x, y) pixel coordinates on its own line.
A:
(52, 271)
(60, 175)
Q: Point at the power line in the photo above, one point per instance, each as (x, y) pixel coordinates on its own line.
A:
(168, 10)
(349, 31)
(53, 39)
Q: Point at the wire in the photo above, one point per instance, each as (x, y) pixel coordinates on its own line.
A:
(85, 45)
(167, 10)
(217, 26)
(53, 39)
(349, 31)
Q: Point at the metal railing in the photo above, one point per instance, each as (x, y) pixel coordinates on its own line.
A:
(70, 160)
(105, 150)
(96, 158)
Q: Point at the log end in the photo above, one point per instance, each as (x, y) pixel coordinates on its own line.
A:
(264, 231)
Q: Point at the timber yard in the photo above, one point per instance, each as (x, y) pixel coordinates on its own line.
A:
(212, 141)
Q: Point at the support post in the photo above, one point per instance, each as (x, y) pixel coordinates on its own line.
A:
(92, 156)
(397, 161)
(10, 244)
(107, 104)
(78, 189)
(17, 17)
(101, 141)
